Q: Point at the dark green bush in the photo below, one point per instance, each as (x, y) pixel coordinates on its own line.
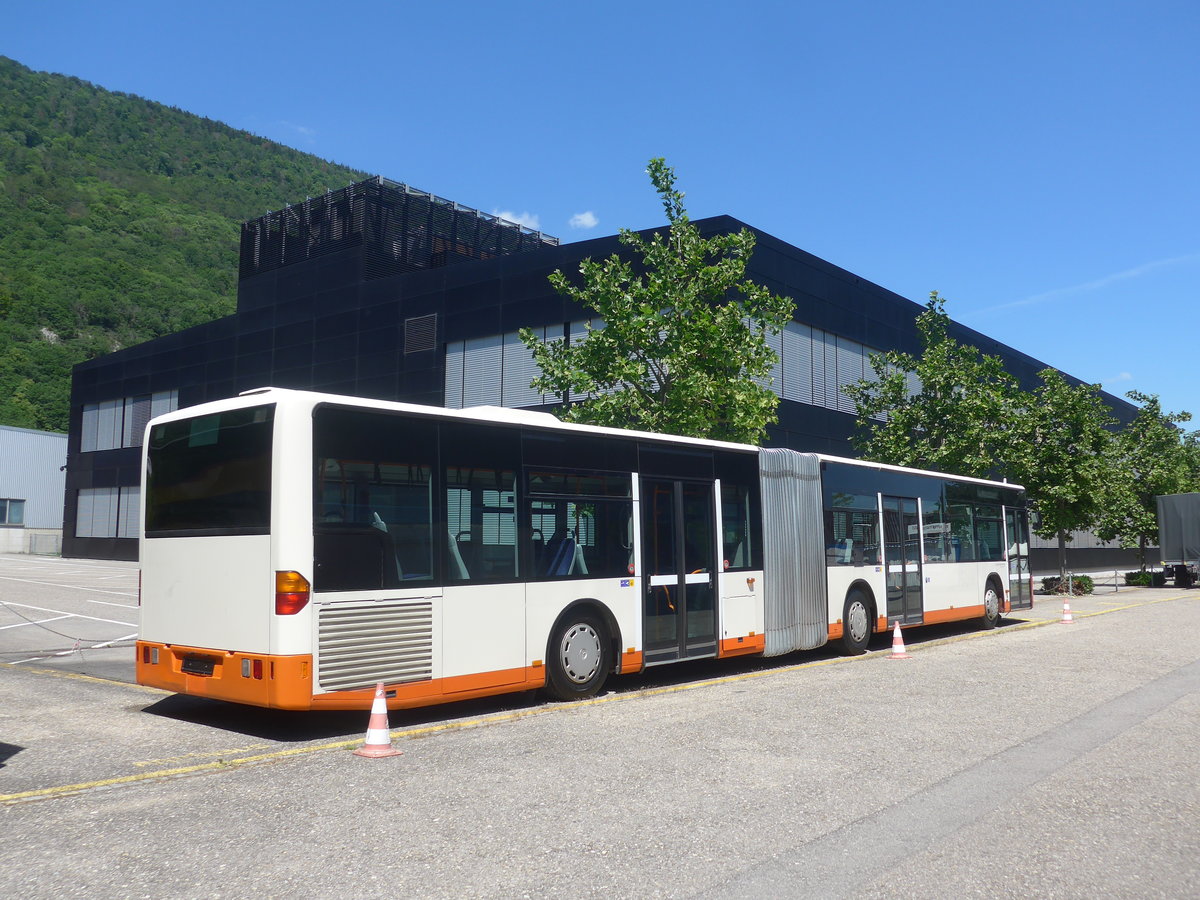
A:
(1080, 584)
(1145, 579)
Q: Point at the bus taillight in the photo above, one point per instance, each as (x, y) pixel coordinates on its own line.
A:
(291, 593)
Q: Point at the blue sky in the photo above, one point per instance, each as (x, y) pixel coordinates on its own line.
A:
(1035, 162)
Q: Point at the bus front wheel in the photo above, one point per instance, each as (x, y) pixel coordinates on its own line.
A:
(991, 606)
(579, 658)
(856, 623)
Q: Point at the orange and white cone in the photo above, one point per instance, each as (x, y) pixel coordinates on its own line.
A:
(1066, 619)
(898, 645)
(378, 743)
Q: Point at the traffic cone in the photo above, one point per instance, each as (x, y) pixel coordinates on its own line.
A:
(1066, 619)
(378, 743)
(898, 645)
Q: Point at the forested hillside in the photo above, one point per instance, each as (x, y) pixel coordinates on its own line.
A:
(118, 223)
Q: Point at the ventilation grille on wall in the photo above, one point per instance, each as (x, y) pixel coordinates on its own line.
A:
(420, 333)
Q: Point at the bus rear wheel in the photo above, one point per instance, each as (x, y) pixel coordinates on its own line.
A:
(991, 606)
(856, 623)
(579, 658)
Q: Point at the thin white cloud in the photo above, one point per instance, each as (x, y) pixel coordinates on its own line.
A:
(584, 220)
(1124, 376)
(301, 131)
(1096, 284)
(528, 219)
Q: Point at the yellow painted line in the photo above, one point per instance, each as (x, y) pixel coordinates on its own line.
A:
(427, 730)
(200, 754)
(61, 790)
(79, 676)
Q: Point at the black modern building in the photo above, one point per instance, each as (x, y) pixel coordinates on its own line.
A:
(378, 290)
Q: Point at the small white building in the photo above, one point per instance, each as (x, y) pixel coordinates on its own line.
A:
(32, 480)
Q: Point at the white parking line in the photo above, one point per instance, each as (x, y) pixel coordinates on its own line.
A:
(72, 586)
(72, 615)
(75, 649)
(110, 603)
(34, 562)
(38, 622)
(113, 641)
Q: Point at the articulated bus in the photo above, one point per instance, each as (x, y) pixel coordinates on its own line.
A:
(298, 548)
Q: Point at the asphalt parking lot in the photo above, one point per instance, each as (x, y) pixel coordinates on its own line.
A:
(73, 615)
(1037, 759)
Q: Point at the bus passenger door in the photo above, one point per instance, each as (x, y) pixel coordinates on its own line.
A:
(679, 555)
(1020, 585)
(902, 560)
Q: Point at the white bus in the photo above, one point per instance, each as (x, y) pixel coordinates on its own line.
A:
(297, 548)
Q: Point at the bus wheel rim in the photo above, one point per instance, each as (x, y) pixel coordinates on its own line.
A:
(580, 652)
(857, 621)
(991, 603)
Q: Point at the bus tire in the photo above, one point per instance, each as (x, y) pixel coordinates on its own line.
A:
(857, 617)
(991, 604)
(579, 657)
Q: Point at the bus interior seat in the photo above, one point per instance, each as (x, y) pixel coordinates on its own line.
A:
(561, 553)
(455, 567)
(468, 553)
(392, 572)
(578, 563)
(539, 549)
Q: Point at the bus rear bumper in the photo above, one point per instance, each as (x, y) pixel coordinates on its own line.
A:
(257, 679)
(286, 682)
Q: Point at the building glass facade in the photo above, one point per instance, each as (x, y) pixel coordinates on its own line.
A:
(385, 292)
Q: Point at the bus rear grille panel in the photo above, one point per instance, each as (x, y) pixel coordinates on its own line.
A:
(361, 644)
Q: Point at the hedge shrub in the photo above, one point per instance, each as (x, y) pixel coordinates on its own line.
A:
(1146, 579)
(1080, 584)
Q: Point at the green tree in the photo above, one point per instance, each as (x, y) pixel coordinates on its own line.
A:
(1059, 452)
(953, 409)
(1149, 458)
(681, 344)
(950, 409)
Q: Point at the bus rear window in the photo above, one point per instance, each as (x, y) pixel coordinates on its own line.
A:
(210, 475)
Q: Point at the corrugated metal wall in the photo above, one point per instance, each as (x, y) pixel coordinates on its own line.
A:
(793, 551)
(31, 470)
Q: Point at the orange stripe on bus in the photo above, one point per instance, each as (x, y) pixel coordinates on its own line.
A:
(741, 646)
(938, 616)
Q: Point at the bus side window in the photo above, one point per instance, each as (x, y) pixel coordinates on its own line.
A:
(738, 539)
(580, 523)
(373, 500)
(481, 519)
(851, 537)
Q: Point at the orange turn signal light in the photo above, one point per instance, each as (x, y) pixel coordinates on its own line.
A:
(291, 593)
